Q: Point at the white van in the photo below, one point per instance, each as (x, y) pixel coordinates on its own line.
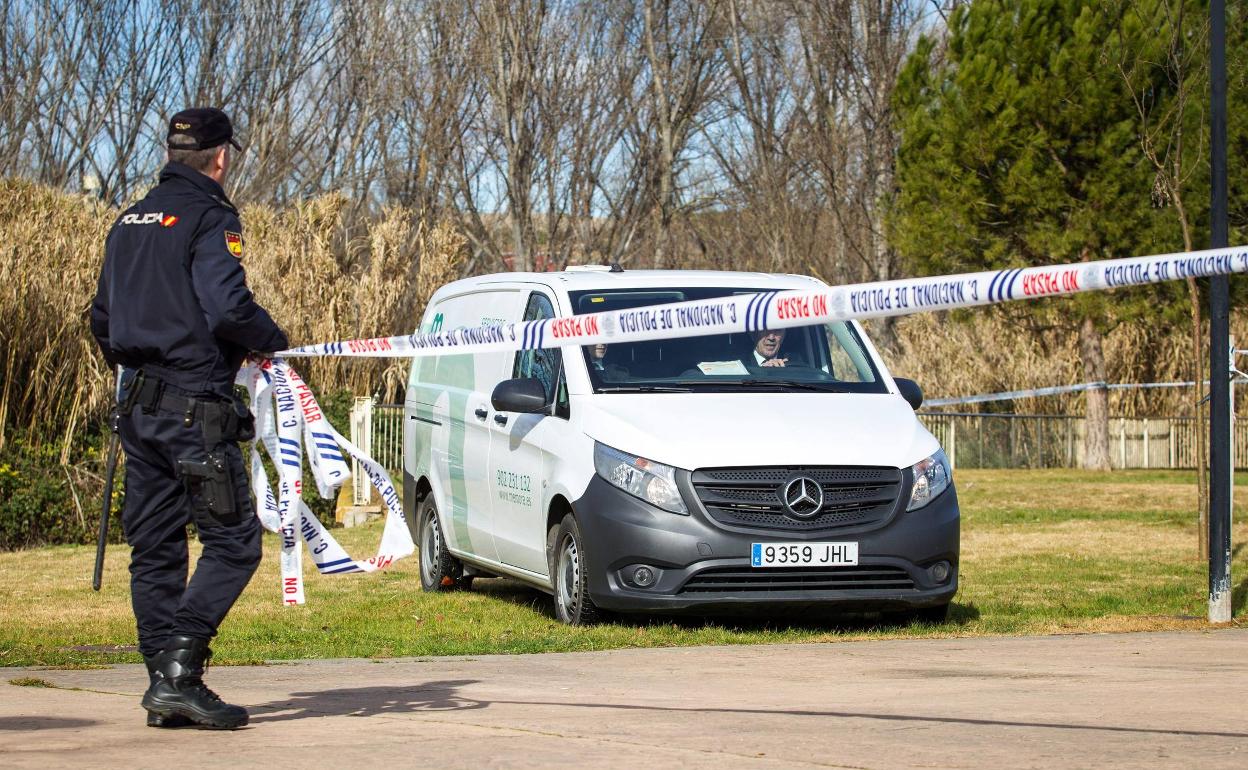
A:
(695, 474)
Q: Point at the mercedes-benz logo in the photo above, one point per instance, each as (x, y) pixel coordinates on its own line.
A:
(803, 497)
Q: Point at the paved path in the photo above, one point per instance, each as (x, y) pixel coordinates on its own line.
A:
(1126, 700)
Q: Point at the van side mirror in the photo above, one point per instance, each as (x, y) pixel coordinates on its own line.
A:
(910, 391)
(524, 395)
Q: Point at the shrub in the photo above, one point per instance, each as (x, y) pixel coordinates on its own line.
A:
(44, 502)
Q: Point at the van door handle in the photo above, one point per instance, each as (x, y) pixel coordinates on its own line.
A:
(480, 413)
(500, 418)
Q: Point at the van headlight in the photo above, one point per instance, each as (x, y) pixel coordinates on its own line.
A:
(931, 477)
(653, 482)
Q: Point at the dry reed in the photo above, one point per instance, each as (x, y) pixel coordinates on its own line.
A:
(322, 275)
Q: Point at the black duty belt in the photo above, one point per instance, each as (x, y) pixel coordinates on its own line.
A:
(221, 418)
(151, 394)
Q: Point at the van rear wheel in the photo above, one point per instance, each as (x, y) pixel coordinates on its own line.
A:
(439, 570)
(568, 575)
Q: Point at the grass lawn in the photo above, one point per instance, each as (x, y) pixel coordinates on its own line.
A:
(1042, 552)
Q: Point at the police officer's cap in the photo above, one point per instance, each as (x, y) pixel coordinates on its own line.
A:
(207, 126)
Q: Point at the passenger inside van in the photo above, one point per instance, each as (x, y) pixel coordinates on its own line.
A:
(608, 371)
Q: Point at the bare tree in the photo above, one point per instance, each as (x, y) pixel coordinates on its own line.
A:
(772, 212)
(26, 39)
(295, 76)
(678, 38)
(592, 117)
(79, 91)
(430, 91)
(1167, 91)
(852, 53)
(516, 57)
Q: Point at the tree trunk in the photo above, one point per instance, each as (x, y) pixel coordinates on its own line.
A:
(1096, 438)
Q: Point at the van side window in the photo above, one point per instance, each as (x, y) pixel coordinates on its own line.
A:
(545, 364)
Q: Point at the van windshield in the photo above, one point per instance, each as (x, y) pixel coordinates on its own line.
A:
(821, 357)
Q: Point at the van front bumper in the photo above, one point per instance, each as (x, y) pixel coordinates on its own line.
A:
(699, 566)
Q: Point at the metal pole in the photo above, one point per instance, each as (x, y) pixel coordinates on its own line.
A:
(953, 443)
(1230, 397)
(1220, 478)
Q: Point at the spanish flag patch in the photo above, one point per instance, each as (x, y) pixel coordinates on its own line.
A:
(234, 242)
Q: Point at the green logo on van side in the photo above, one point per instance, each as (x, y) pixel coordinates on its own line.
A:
(436, 325)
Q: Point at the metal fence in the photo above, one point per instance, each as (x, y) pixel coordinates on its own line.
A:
(970, 440)
(377, 429)
(1056, 441)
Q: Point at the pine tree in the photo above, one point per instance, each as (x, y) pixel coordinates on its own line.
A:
(1020, 146)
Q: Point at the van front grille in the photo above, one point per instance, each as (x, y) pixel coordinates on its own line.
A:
(774, 579)
(754, 497)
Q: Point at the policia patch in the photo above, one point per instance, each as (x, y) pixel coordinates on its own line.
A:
(234, 242)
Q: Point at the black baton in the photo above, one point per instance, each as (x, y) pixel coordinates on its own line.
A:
(114, 445)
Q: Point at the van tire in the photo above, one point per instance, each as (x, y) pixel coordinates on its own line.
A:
(439, 571)
(569, 574)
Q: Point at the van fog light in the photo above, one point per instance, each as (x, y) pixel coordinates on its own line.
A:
(643, 577)
(940, 571)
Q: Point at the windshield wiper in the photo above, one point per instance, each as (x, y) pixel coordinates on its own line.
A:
(794, 384)
(645, 389)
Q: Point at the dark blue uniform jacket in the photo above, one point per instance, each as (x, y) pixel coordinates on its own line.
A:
(172, 296)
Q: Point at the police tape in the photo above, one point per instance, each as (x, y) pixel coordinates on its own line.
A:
(289, 418)
(1058, 390)
(782, 309)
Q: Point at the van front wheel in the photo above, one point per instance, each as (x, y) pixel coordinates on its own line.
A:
(568, 575)
(439, 571)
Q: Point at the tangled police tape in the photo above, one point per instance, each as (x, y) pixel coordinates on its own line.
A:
(288, 417)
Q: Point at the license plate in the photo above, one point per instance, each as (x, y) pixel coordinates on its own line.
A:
(804, 555)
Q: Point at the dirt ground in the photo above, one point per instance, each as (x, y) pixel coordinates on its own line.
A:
(1100, 700)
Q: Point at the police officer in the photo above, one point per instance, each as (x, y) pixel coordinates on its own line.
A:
(173, 309)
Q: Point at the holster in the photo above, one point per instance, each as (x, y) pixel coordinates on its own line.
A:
(211, 486)
(211, 482)
(131, 387)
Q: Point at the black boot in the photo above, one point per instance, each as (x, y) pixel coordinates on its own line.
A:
(154, 719)
(178, 688)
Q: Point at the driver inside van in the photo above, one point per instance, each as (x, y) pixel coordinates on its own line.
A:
(766, 350)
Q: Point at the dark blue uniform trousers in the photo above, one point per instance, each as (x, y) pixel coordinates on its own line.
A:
(157, 509)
